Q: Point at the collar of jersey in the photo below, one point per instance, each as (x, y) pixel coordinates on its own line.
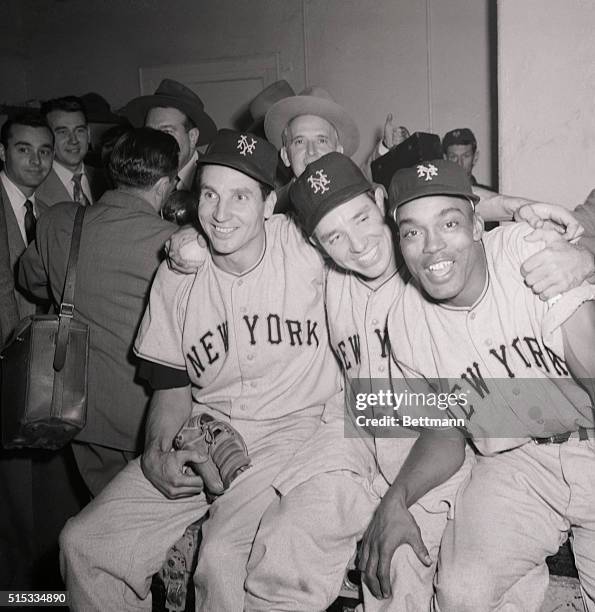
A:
(245, 272)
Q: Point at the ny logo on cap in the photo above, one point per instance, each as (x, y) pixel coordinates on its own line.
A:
(244, 146)
(429, 171)
(320, 182)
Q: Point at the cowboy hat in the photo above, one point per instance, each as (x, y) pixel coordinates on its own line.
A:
(172, 94)
(311, 101)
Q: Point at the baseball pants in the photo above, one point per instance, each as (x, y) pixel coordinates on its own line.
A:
(110, 551)
(516, 510)
(308, 536)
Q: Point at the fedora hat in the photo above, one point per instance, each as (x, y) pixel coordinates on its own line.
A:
(265, 99)
(98, 109)
(312, 101)
(172, 94)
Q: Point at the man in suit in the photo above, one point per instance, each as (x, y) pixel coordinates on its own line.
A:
(26, 149)
(70, 179)
(9, 314)
(176, 110)
(120, 250)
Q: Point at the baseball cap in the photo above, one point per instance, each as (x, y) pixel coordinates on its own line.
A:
(436, 177)
(325, 184)
(460, 136)
(247, 153)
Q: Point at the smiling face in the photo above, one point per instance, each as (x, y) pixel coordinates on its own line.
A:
(356, 237)
(440, 239)
(71, 136)
(28, 156)
(306, 139)
(232, 212)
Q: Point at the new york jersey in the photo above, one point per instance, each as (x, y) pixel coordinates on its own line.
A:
(254, 345)
(357, 327)
(496, 351)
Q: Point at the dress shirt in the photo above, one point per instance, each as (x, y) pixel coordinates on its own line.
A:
(187, 173)
(65, 175)
(17, 201)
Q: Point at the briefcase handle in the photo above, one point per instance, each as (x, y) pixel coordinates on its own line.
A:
(67, 304)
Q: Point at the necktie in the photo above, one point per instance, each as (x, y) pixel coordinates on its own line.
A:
(30, 222)
(77, 192)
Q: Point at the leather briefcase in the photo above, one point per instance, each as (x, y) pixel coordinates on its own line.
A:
(43, 408)
(44, 371)
(419, 147)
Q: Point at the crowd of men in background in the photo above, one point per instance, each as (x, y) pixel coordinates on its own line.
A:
(147, 177)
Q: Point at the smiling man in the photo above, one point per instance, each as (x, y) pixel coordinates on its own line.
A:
(26, 150)
(526, 366)
(304, 128)
(392, 488)
(70, 180)
(243, 339)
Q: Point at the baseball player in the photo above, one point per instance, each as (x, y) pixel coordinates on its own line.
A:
(315, 509)
(308, 535)
(518, 360)
(242, 340)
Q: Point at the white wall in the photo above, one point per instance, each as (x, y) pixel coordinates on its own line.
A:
(546, 81)
(372, 55)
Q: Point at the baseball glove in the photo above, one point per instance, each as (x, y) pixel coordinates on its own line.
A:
(222, 450)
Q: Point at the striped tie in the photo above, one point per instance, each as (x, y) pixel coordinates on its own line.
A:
(78, 193)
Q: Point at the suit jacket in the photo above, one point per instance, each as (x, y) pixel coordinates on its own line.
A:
(16, 247)
(120, 249)
(52, 190)
(9, 312)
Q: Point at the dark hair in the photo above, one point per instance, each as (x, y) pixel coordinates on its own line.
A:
(67, 104)
(30, 119)
(180, 207)
(142, 156)
(107, 141)
(265, 190)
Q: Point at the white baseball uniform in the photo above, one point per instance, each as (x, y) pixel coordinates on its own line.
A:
(506, 353)
(256, 352)
(327, 513)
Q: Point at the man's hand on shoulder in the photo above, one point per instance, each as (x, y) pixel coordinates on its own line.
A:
(549, 216)
(168, 472)
(392, 526)
(186, 250)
